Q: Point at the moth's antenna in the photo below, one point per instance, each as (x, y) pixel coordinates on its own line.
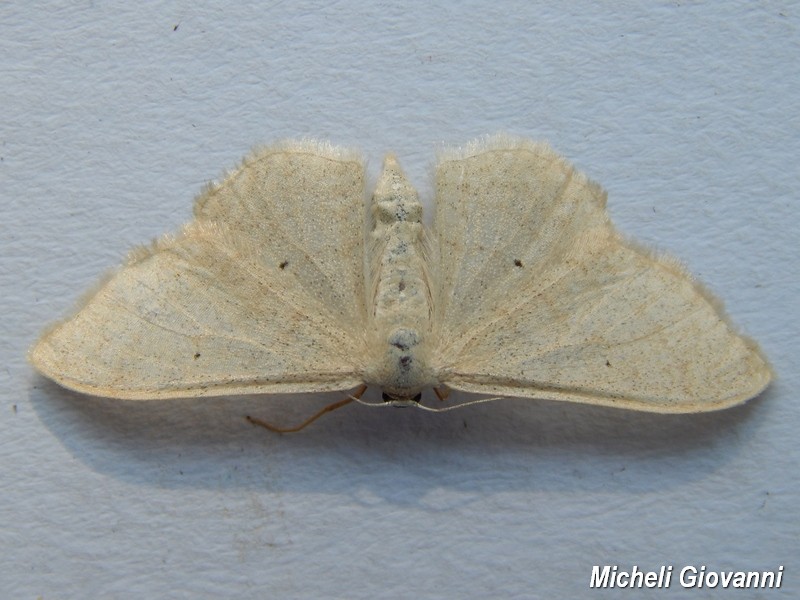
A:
(370, 404)
(428, 408)
(462, 405)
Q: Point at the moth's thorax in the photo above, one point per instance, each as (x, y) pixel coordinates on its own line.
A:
(401, 304)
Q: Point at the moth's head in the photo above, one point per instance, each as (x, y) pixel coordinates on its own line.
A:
(401, 401)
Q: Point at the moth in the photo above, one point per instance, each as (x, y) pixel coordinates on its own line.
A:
(288, 281)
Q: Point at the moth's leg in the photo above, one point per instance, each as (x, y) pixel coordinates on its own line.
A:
(339, 404)
(442, 392)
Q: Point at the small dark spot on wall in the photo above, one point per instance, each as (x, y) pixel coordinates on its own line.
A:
(283, 265)
(401, 286)
(196, 355)
(608, 364)
(517, 262)
(175, 27)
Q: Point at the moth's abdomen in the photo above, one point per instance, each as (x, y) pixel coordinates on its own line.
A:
(402, 291)
(401, 308)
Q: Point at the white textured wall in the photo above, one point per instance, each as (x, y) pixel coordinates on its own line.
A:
(114, 114)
